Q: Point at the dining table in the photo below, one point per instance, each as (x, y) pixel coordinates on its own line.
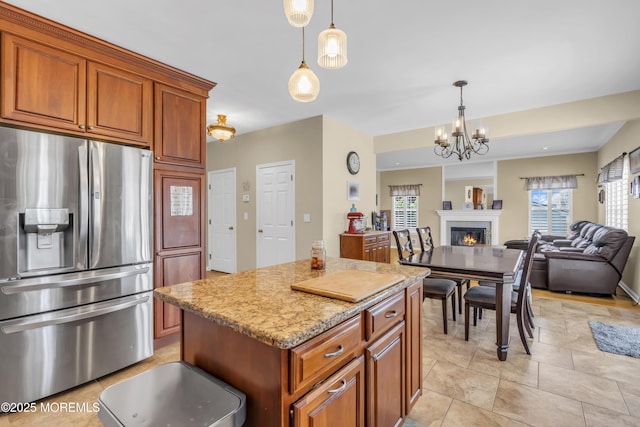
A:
(479, 262)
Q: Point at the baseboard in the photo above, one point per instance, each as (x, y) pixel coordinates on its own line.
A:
(627, 290)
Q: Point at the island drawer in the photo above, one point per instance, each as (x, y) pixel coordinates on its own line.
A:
(383, 316)
(316, 359)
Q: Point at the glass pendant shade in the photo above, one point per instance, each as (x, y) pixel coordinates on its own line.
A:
(221, 130)
(298, 12)
(332, 48)
(304, 85)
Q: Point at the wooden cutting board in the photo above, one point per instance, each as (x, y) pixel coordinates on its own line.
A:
(349, 285)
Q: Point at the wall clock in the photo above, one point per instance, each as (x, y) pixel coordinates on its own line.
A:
(353, 163)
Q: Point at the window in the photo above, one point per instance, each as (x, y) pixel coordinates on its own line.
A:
(617, 200)
(405, 212)
(550, 211)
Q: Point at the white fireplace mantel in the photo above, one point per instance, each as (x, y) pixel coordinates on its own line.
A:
(485, 215)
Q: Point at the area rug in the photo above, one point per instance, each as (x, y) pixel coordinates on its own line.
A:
(616, 339)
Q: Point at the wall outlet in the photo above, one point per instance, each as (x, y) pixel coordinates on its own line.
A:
(307, 217)
(245, 197)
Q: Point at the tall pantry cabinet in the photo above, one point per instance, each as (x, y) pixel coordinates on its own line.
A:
(57, 79)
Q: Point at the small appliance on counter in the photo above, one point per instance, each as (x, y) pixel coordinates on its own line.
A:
(357, 223)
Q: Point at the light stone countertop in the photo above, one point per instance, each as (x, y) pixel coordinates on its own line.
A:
(261, 304)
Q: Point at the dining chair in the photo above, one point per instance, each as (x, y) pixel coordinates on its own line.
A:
(484, 297)
(426, 245)
(432, 288)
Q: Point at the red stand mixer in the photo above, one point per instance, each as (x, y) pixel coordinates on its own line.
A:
(356, 223)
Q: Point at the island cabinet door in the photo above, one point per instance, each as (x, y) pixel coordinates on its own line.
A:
(414, 344)
(385, 367)
(339, 401)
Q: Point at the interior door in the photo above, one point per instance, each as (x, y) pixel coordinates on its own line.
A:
(275, 213)
(222, 220)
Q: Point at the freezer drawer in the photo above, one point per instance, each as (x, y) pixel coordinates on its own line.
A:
(48, 353)
(40, 294)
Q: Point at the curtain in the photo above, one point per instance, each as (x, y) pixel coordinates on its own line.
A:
(612, 171)
(551, 182)
(404, 190)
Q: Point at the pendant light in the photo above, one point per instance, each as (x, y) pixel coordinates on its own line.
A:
(221, 130)
(332, 47)
(298, 12)
(304, 86)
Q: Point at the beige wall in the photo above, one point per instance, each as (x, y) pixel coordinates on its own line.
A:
(299, 141)
(626, 140)
(514, 220)
(513, 223)
(430, 194)
(338, 141)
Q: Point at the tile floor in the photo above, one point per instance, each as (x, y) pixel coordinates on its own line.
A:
(567, 381)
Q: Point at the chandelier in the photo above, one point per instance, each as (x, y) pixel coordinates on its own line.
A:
(221, 130)
(298, 12)
(461, 146)
(332, 47)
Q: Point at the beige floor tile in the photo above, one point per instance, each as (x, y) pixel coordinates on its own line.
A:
(517, 368)
(618, 368)
(566, 340)
(536, 407)
(169, 353)
(463, 384)
(458, 352)
(430, 409)
(68, 409)
(596, 416)
(581, 386)
(551, 322)
(552, 355)
(463, 414)
(574, 309)
(631, 395)
(427, 365)
(4, 420)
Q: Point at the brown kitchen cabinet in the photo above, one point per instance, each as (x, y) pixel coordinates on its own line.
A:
(371, 246)
(63, 91)
(413, 299)
(353, 374)
(179, 237)
(339, 401)
(180, 119)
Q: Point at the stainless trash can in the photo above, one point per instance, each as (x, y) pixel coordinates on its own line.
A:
(176, 394)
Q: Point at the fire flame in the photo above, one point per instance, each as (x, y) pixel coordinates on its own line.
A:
(469, 240)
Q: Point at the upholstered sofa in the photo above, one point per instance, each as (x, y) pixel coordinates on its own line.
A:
(590, 259)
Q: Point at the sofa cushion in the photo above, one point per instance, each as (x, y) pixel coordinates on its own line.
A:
(607, 241)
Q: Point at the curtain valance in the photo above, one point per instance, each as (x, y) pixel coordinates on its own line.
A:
(551, 182)
(404, 190)
(612, 171)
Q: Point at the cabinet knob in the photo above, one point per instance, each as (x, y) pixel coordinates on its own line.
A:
(391, 314)
(231, 228)
(90, 127)
(81, 126)
(158, 158)
(260, 230)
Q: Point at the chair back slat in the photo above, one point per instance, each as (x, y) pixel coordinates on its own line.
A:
(426, 240)
(403, 243)
(526, 271)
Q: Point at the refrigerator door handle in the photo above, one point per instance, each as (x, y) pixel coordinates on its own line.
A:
(83, 220)
(74, 314)
(96, 201)
(73, 279)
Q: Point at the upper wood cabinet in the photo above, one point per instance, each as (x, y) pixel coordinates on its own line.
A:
(63, 91)
(180, 122)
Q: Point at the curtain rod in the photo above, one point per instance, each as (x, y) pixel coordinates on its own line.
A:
(569, 174)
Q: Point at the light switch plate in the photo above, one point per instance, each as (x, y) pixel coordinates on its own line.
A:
(246, 216)
(307, 217)
(245, 197)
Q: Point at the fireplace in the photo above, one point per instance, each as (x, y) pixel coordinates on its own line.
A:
(485, 218)
(467, 236)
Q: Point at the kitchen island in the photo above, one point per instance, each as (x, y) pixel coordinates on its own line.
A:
(305, 359)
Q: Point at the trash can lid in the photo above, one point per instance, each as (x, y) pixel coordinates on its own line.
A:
(174, 394)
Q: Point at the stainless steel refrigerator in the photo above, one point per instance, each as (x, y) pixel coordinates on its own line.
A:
(75, 261)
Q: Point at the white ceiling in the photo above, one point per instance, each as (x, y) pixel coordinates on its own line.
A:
(403, 57)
